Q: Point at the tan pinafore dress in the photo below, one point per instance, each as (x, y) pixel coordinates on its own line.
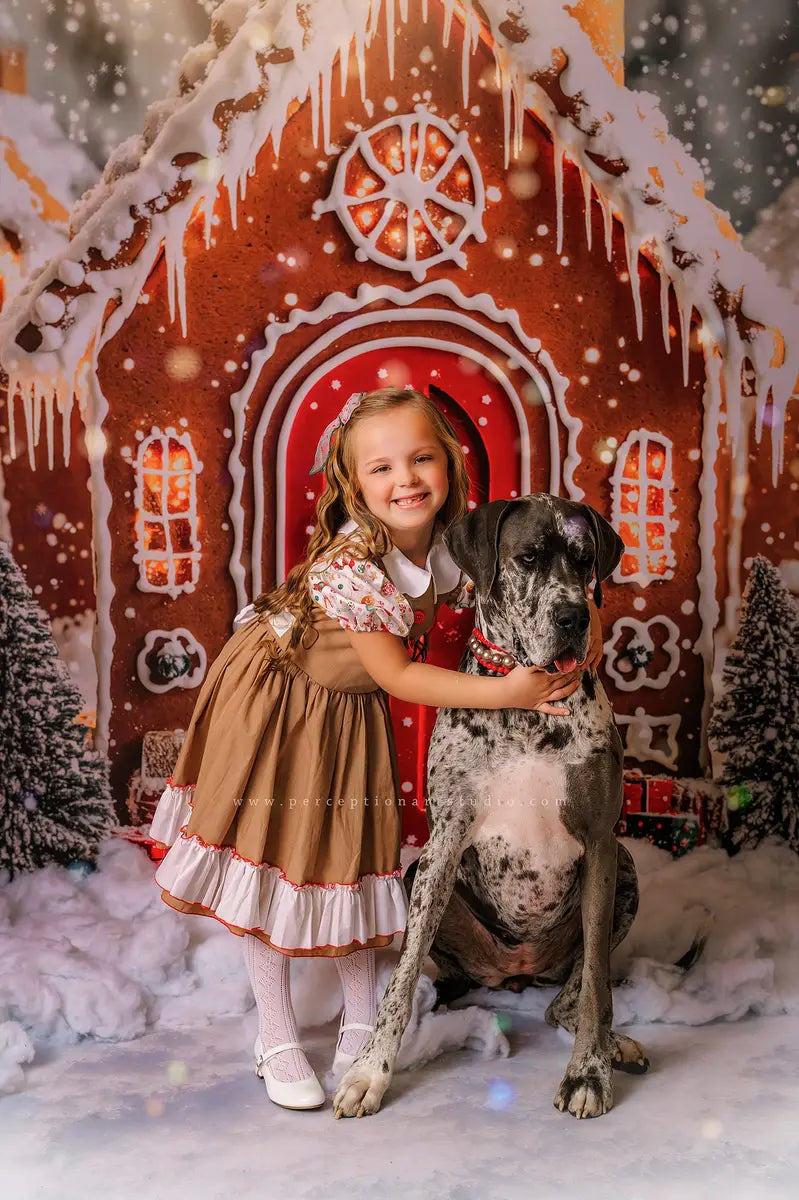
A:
(282, 814)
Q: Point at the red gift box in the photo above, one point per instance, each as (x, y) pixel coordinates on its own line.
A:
(690, 810)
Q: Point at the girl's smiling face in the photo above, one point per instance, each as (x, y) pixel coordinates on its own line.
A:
(401, 468)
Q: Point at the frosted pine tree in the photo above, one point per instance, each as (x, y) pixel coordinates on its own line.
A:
(55, 803)
(756, 722)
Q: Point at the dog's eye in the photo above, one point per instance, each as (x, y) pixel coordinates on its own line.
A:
(529, 558)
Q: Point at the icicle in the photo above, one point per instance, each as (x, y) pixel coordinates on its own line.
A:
(13, 388)
(732, 370)
(27, 408)
(518, 113)
(313, 92)
(607, 220)
(632, 247)
(326, 83)
(424, 11)
(37, 413)
(685, 308)
(390, 36)
(50, 424)
(466, 53)
(66, 431)
(449, 7)
(557, 153)
(175, 271)
(664, 305)
(403, 11)
(360, 58)
(504, 88)
(588, 192)
(344, 61)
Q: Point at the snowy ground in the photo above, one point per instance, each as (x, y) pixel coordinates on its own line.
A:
(126, 1029)
(180, 1115)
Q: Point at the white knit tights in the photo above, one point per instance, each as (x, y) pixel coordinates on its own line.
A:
(269, 975)
(357, 974)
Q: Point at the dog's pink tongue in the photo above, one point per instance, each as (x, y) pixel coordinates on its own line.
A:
(567, 662)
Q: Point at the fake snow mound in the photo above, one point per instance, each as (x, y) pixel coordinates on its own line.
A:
(100, 955)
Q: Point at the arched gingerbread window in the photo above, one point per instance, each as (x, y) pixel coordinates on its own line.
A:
(643, 506)
(167, 527)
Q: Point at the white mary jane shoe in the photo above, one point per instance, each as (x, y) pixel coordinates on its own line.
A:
(343, 1061)
(296, 1094)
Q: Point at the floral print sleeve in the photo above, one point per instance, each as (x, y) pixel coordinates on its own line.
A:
(357, 594)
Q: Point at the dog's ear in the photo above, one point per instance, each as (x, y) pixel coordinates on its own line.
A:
(608, 549)
(474, 542)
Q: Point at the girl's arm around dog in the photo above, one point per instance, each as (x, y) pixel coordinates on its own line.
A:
(385, 658)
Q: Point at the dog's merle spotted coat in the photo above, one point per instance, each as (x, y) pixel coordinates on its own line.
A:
(522, 880)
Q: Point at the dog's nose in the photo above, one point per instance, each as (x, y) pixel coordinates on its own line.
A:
(573, 618)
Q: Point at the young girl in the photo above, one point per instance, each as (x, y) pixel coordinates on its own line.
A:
(282, 813)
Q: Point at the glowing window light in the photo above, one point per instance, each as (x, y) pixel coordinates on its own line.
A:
(643, 506)
(167, 523)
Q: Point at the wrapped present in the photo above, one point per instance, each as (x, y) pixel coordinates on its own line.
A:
(159, 753)
(674, 814)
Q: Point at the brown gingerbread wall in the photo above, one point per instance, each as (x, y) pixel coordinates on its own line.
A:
(572, 302)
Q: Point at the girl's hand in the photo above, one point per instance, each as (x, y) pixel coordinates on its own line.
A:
(596, 646)
(531, 687)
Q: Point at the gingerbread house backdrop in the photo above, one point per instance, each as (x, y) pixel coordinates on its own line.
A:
(342, 194)
(47, 521)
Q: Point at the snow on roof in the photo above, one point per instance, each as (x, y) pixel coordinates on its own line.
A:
(39, 167)
(263, 57)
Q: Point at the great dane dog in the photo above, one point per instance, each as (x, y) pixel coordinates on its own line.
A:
(522, 879)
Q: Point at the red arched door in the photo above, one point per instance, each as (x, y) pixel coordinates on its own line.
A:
(484, 417)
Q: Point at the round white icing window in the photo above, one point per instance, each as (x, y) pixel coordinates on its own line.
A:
(409, 192)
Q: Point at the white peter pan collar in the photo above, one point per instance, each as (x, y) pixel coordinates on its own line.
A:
(412, 580)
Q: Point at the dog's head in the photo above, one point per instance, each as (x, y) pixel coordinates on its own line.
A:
(531, 561)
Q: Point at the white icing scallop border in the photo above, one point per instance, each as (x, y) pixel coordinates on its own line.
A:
(550, 383)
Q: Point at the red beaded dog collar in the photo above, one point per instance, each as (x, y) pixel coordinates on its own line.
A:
(494, 658)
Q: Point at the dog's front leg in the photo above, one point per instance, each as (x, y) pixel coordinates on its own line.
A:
(586, 1089)
(364, 1085)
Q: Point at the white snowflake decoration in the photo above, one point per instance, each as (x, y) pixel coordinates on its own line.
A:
(642, 637)
(174, 642)
(409, 193)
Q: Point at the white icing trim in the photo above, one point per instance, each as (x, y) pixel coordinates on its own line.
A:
(176, 639)
(738, 493)
(707, 580)
(168, 556)
(642, 438)
(461, 350)
(406, 187)
(550, 383)
(94, 412)
(638, 742)
(613, 120)
(642, 633)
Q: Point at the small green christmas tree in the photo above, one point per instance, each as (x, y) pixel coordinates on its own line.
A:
(55, 801)
(756, 721)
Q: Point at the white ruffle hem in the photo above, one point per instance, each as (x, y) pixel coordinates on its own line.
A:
(258, 897)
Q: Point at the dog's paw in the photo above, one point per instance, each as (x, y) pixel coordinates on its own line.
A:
(361, 1091)
(628, 1055)
(586, 1090)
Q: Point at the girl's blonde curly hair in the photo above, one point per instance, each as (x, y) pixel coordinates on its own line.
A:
(341, 500)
